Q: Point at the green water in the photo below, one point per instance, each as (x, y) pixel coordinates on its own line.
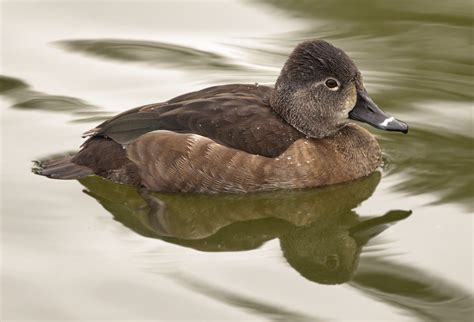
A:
(395, 246)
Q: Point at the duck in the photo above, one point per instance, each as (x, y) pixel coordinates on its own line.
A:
(242, 138)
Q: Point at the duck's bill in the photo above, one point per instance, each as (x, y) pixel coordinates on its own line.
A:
(369, 228)
(368, 112)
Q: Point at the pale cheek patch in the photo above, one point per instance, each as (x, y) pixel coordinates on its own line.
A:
(350, 100)
(387, 121)
(348, 106)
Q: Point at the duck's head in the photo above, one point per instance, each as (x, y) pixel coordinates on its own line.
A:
(320, 89)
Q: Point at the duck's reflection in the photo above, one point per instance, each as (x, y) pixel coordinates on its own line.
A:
(321, 237)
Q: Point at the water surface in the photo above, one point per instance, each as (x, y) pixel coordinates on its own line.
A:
(396, 245)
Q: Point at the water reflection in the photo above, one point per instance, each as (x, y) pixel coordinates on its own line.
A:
(321, 237)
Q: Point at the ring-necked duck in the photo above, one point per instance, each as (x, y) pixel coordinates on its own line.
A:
(243, 138)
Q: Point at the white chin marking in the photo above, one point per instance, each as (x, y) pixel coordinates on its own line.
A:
(387, 120)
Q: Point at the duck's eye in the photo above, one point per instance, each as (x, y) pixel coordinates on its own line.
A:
(332, 84)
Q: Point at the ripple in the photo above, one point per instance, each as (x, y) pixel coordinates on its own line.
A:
(8, 84)
(433, 162)
(24, 97)
(426, 296)
(152, 52)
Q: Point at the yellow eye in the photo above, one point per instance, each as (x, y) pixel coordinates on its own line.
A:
(331, 83)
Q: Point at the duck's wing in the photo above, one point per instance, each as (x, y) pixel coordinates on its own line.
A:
(237, 116)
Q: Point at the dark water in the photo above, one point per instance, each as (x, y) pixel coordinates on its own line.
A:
(397, 245)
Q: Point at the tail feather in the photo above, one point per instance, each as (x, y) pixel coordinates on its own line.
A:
(61, 168)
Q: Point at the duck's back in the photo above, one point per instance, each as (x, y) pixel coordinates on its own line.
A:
(237, 116)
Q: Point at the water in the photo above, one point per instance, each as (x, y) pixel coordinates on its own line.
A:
(99, 255)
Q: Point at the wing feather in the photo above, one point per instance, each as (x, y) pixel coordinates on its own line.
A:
(237, 116)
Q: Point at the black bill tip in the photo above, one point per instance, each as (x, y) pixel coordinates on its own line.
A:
(392, 124)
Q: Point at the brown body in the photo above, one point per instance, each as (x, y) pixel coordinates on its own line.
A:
(192, 163)
(241, 137)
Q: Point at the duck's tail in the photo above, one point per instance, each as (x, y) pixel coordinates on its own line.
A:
(61, 167)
